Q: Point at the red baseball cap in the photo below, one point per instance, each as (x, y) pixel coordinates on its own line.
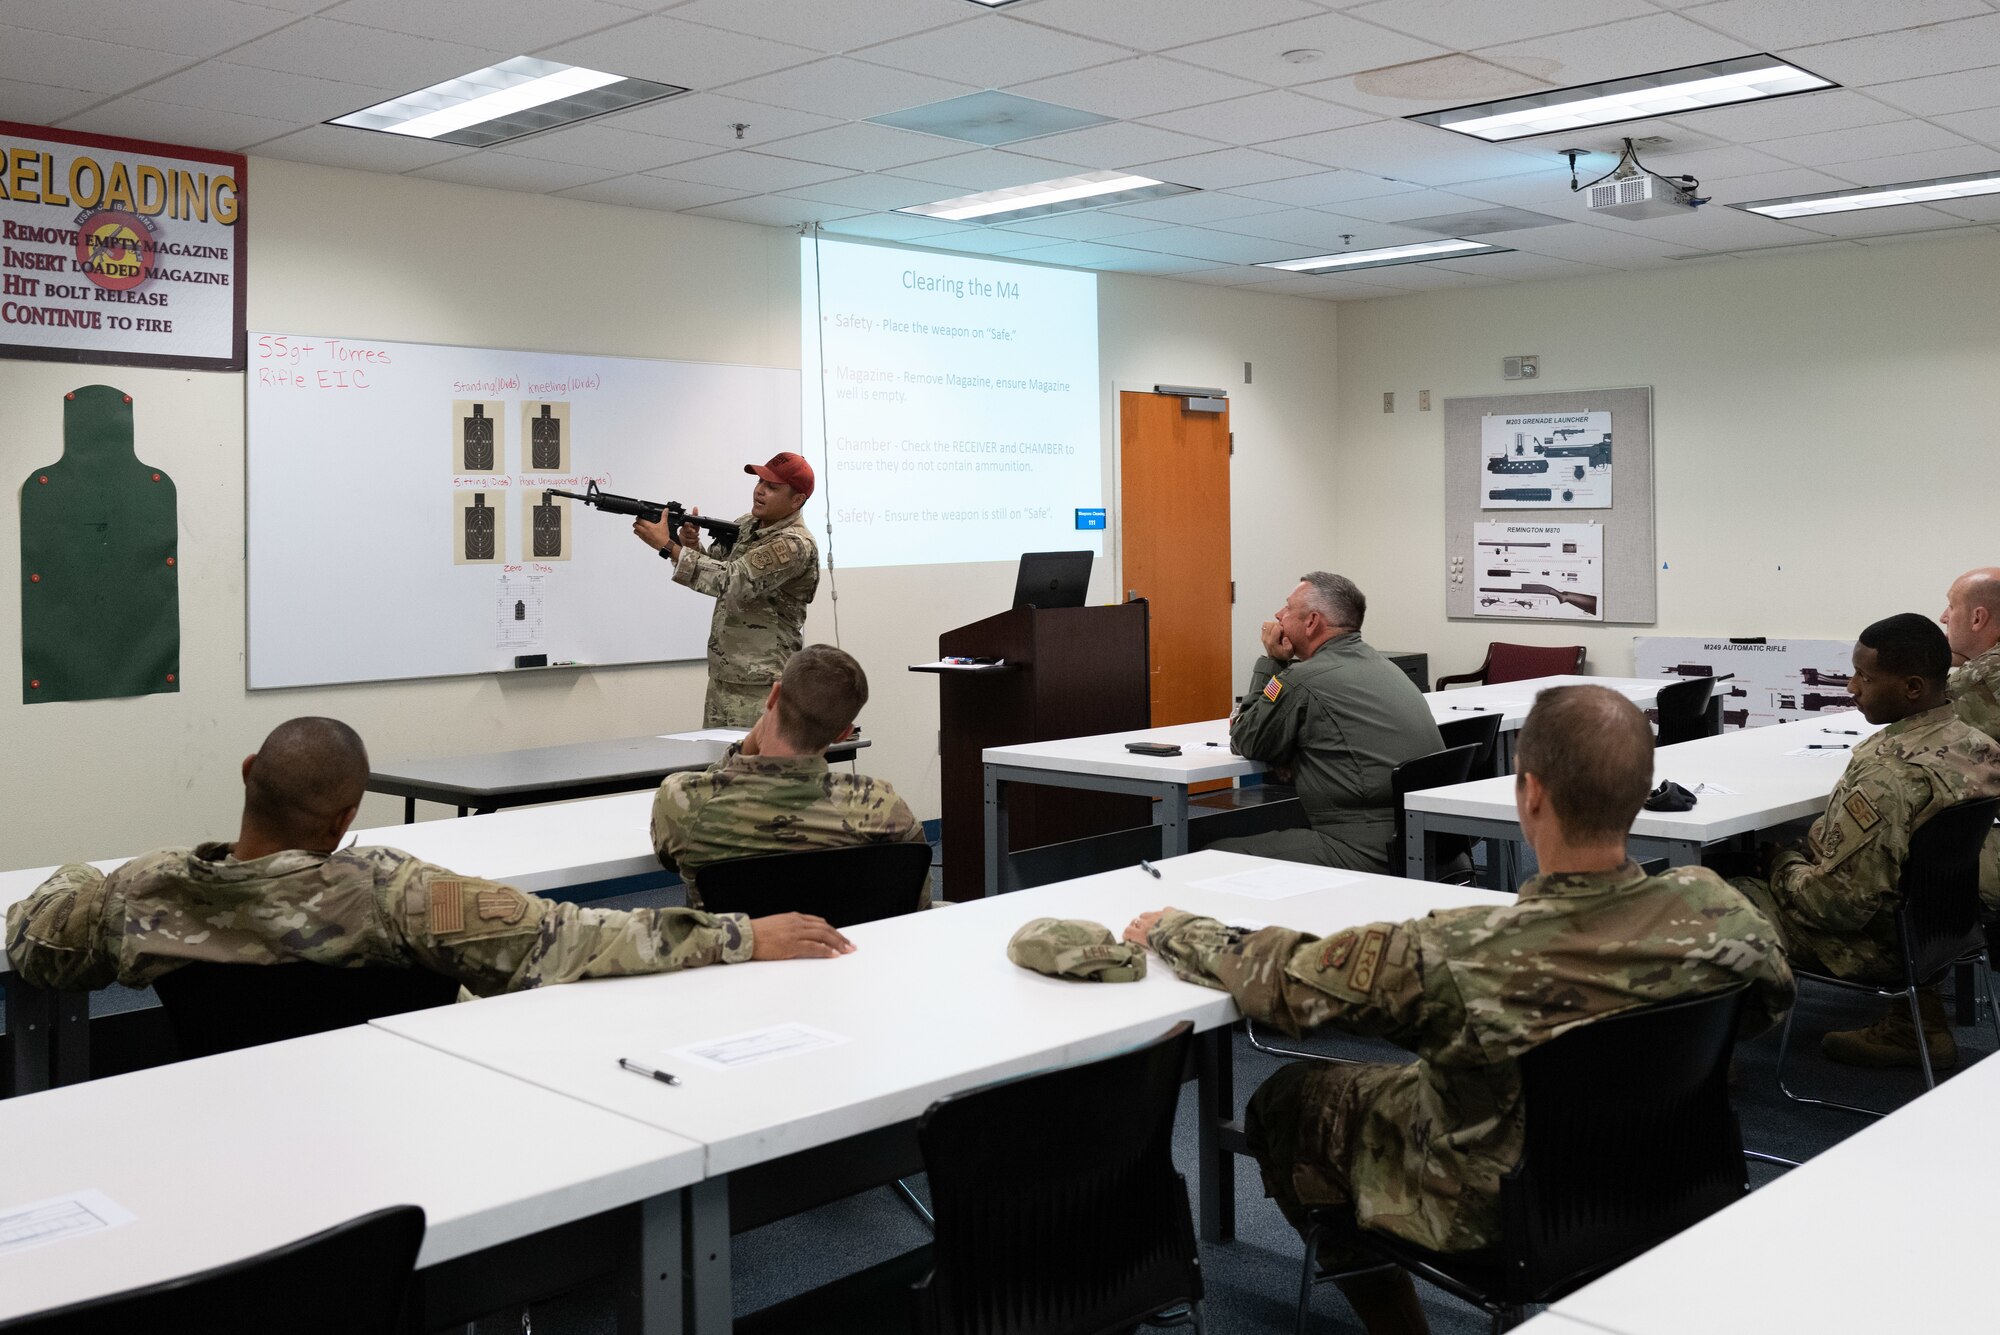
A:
(787, 469)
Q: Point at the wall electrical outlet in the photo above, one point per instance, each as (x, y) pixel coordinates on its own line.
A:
(1423, 400)
(1389, 401)
(1524, 367)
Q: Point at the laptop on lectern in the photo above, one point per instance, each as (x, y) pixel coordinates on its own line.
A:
(1052, 579)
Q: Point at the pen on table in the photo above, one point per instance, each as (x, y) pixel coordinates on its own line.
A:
(1476, 709)
(1842, 732)
(1149, 869)
(1828, 746)
(662, 1076)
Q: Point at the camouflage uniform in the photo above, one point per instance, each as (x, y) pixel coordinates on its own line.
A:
(1076, 948)
(752, 806)
(1835, 903)
(1975, 695)
(1418, 1150)
(84, 930)
(1340, 720)
(761, 587)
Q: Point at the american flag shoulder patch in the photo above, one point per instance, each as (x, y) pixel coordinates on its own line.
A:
(1273, 689)
(447, 906)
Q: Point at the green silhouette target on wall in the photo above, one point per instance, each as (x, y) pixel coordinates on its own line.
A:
(100, 587)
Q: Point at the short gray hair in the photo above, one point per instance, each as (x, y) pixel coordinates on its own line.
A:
(1335, 597)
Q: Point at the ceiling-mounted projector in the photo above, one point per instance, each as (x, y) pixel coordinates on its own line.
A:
(1643, 196)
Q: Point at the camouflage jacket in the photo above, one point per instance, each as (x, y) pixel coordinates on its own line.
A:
(1975, 696)
(761, 587)
(361, 906)
(1470, 991)
(751, 806)
(1838, 899)
(1340, 720)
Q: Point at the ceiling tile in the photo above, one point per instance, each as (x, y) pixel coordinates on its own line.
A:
(1941, 48)
(1431, 274)
(1089, 225)
(162, 122)
(183, 27)
(1147, 262)
(986, 241)
(1596, 245)
(1518, 264)
(1204, 244)
(774, 211)
(824, 26)
(1918, 166)
(1225, 168)
(1770, 185)
(1277, 114)
(1776, 25)
(992, 51)
(1709, 228)
(1941, 94)
(1863, 141)
(1228, 275)
(1406, 151)
(1326, 287)
(1425, 85)
(1205, 206)
(650, 192)
(708, 118)
(1166, 23)
(249, 91)
(1544, 191)
(1119, 144)
(1714, 163)
(601, 144)
(862, 147)
(1466, 24)
(750, 172)
(1092, 255)
(1416, 204)
(1326, 187)
(1983, 126)
(1310, 232)
(360, 150)
(874, 192)
(497, 171)
(39, 104)
(514, 25)
(343, 51)
(1806, 113)
(1878, 222)
(1348, 46)
(895, 227)
(666, 49)
(56, 61)
(848, 89)
(1973, 208)
(1616, 50)
(984, 169)
(1139, 87)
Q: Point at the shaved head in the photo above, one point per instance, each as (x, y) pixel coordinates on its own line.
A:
(1592, 752)
(307, 774)
(1971, 617)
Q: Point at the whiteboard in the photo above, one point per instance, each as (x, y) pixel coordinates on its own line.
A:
(395, 522)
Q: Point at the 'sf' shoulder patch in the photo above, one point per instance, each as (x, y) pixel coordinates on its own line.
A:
(1862, 811)
(1273, 689)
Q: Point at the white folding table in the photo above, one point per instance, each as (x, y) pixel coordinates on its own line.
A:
(228, 1156)
(928, 1005)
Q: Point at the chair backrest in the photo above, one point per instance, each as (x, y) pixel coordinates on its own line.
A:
(1521, 662)
(1059, 1211)
(348, 1280)
(1684, 713)
(1630, 1138)
(1481, 730)
(1439, 769)
(1939, 886)
(842, 885)
(222, 1007)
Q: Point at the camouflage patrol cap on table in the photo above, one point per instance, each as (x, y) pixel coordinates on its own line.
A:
(1076, 948)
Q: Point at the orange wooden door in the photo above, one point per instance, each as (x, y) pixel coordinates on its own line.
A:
(1173, 480)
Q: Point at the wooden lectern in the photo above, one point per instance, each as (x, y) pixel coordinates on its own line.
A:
(1069, 672)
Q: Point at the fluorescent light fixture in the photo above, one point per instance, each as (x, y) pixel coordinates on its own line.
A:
(1417, 253)
(1876, 196)
(1669, 93)
(1065, 194)
(517, 97)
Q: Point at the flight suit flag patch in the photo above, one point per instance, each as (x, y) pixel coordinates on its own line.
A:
(1273, 688)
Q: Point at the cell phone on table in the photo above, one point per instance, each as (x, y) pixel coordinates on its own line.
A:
(1153, 748)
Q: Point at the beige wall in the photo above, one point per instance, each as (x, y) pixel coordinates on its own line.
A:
(371, 256)
(1824, 427)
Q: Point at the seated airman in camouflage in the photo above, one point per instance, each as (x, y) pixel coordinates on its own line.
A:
(1417, 1150)
(1835, 899)
(281, 893)
(772, 792)
(1971, 624)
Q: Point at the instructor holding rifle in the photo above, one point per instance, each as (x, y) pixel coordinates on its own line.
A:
(761, 583)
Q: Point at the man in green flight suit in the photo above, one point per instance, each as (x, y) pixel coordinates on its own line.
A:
(761, 584)
(1835, 898)
(1417, 1150)
(286, 891)
(1339, 716)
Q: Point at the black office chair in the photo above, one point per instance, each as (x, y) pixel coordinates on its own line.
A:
(1684, 712)
(845, 886)
(1452, 853)
(222, 1007)
(349, 1280)
(1937, 924)
(1480, 730)
(1629, 1138)
(1059, 1213)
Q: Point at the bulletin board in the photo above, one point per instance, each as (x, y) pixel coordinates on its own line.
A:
(1608, 472)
